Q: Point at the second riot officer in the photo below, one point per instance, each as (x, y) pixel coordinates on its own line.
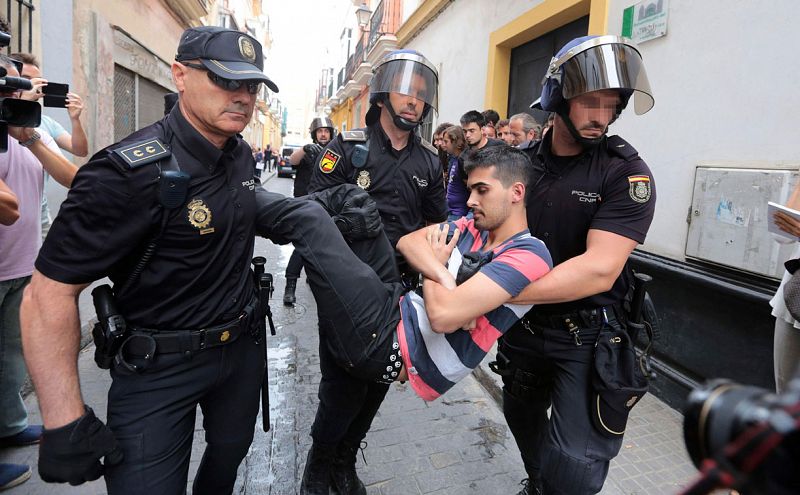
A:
(402, 173)
(592, 203)
(304, 159)
(167, 214)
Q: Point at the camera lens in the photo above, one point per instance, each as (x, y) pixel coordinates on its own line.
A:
(717, 412)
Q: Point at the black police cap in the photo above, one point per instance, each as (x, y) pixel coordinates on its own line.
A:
(225, 52)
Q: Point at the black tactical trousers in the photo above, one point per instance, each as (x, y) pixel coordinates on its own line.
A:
(294, 266)
(564, 451)
(152, 415)
(357, 287)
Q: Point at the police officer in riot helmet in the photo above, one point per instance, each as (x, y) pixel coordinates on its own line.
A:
(322, 131)
(592, 204)
(168, 215)
(401, 173)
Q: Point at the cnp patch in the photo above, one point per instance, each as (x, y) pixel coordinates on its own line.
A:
(363, 180)
(200, 216)
(639, 188)
(329, 161)
(246, 48)
(143, 153)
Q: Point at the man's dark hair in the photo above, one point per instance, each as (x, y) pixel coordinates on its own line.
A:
(491, 116)
(27, 59)
(4, 25)
(502, 123)
(441, 127)
(473, 117)
(511, 164)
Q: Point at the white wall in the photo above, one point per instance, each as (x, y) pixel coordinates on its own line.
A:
(724, 77)
(725, 81)
(457, 42)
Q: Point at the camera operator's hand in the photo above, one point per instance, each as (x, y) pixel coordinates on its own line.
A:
(72, 452)
(312, 151)
(21, 133)
(36, 93)
(74, 105)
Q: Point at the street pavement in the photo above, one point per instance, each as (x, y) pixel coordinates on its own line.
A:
(458, 444)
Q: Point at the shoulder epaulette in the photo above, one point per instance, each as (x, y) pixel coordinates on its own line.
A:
(360, 136)
(618, 146)
(427, 145)
(141, 153)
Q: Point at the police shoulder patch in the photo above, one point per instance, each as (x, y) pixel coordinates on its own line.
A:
(428, 146)
(328, 161)
(142, 153)
(639, 188)
(354, 136)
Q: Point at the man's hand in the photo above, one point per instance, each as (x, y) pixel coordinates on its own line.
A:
(312, 151)
(21, 133)
(437, 239)
(74, 105)
(35, 93)
(72, 452)
(359, 217)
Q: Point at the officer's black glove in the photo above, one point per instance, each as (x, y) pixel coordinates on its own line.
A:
(72, 452)
(312, 151)
(359, 217)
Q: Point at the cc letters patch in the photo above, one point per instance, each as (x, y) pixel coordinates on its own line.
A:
(639, 188)
(329, 161)
(143, 153)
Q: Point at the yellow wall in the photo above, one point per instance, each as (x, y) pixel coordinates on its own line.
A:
(343, 113)
(546, 17)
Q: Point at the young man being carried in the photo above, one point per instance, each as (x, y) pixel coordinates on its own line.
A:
(382, 334)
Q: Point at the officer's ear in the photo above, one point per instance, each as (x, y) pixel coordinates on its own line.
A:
(517, 192)
(179, 76)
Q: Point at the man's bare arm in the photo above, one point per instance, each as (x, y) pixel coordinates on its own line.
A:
(296, 157)
(9, 205)
(593, 272)
(78, 143)
(450, 309)
(51, 341)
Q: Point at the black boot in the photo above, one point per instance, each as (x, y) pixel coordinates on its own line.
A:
(317, 474)
(288, 294)
(344, 479)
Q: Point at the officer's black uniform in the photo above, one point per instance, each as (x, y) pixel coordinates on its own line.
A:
(408, 187)
(198, 278)
(607, 188)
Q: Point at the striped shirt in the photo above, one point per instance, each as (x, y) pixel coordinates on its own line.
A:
(436, 361)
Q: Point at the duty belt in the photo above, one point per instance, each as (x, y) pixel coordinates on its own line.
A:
(571, 321)
(146, 342)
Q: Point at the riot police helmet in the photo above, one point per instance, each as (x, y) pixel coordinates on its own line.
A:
(594, 63)
(321, 123)
(406, 72)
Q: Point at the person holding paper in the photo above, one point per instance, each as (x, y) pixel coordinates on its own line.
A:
(787, 330)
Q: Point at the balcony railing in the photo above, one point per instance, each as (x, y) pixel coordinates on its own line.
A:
(385, 20)
(21, 20)
(340, 80)
(355, 59)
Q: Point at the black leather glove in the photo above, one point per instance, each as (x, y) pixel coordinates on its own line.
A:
(72, 452)
(312, 151)
(359, 217)
(471, 264)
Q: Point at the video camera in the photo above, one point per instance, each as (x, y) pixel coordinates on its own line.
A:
(744, 437)
(13, 111)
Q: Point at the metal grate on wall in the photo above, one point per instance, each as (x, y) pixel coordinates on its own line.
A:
(124, 102)
(18, 15)
(138, 102)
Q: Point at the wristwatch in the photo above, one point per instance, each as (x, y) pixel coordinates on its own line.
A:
(28, 142)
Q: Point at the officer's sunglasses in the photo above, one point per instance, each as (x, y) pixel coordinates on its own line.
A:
(227, 84)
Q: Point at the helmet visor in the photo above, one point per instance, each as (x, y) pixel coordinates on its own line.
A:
(408, 77)
(608, 66)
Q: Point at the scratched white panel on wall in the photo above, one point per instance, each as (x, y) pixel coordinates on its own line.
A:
(728, 218)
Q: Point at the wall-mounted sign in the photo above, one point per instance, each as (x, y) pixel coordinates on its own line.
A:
(645, 20)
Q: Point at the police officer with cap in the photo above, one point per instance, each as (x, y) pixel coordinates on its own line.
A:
(402, 173)
(592, 204)
(167, 214)
(322, 131)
